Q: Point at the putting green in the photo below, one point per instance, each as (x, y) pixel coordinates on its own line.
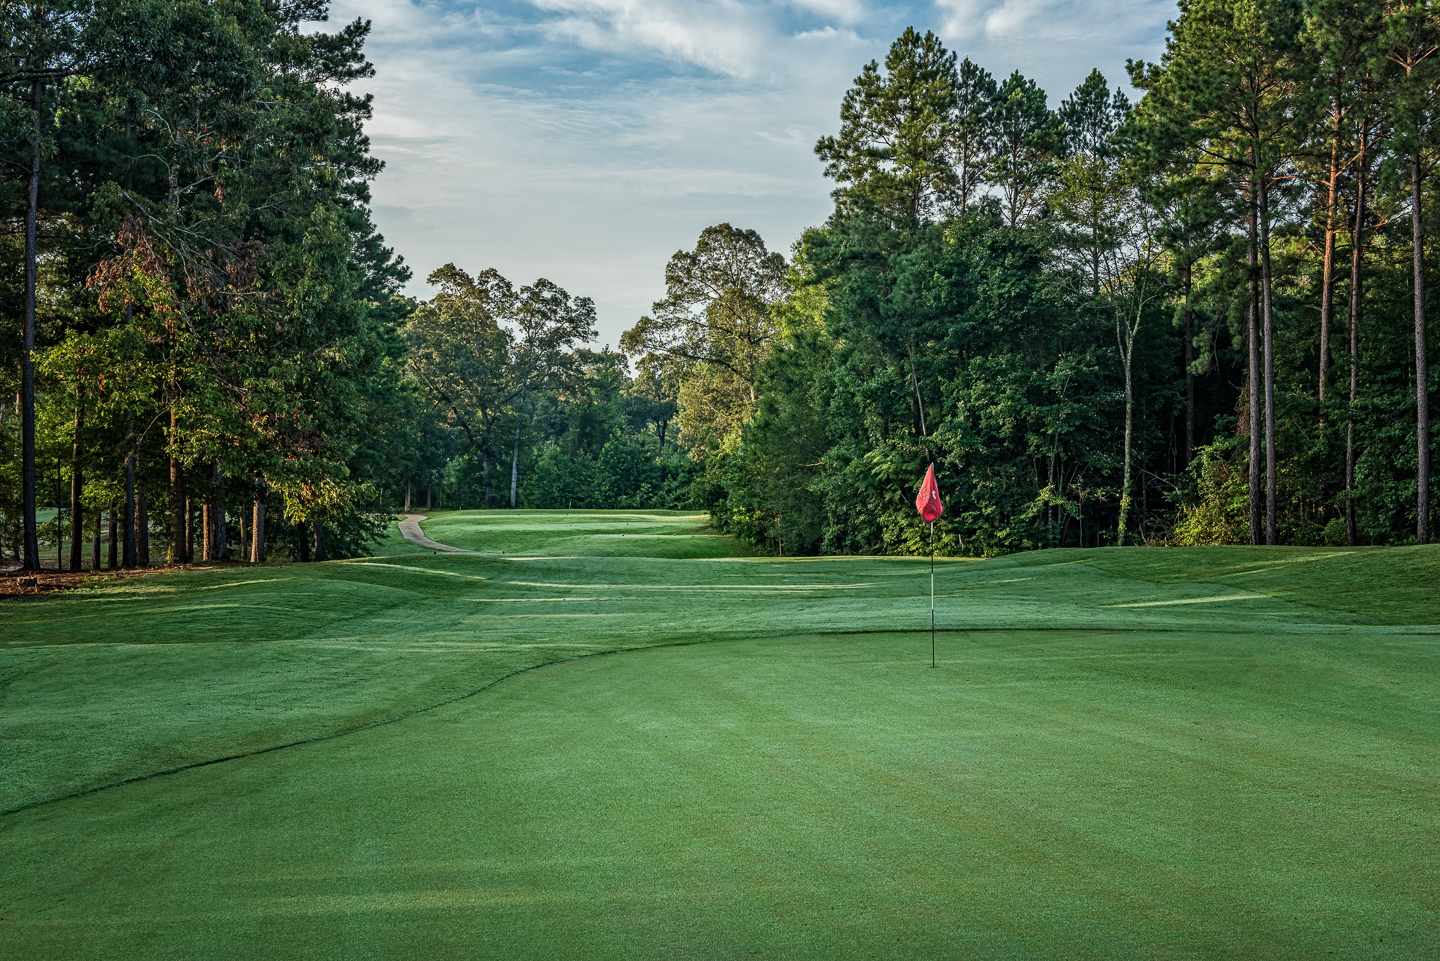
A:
(1144, 753)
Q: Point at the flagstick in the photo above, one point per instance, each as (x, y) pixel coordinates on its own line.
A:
(932, 593)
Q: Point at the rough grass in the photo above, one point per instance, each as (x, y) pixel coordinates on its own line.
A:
(1124, 753)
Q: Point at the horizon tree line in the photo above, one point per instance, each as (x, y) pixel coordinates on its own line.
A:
(1105, 323)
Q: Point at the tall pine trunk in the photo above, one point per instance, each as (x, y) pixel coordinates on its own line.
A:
(209, 536)
(1189, 364)
(319, 540)
(30, 535)
(95, 545)
(179, 506)
(1271, 508)
(114, 548)
(222, 535)
(77, 487)
(1126, 344)
(1252, 335)
(131, 553)
(59, 516)
(1327, 277)
(142, 525)
(1422, 366)
(1357, 248)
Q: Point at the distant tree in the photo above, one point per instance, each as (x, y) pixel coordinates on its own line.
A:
(548, 326)
(716, 320)
(459, 351)
(652, 398)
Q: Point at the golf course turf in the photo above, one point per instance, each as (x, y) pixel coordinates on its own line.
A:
(1124, 753)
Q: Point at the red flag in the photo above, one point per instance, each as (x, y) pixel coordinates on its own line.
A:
(927, 502)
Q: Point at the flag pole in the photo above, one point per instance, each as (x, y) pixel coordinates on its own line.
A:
(932, 593)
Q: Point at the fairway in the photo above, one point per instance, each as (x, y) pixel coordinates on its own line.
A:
(616, 735)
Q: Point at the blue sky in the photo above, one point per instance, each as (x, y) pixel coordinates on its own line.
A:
(587, 140)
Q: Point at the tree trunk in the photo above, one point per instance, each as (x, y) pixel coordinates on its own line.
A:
(177, 513)
(1327, 278)
(114, 552)
(1271, 508)
(242, 544)
(77, 487)
(257, 532)
(222, 535)
(59, 516)
(1189, 372)
(429, 489)
(407, 495)
(213, 519)
(1422, 366)
(95, 545)
(142, 526)
(30, 536)
(130, 555)
(303, 536)
(1253, 380)
(1357, 247)
(179, 506)
(191, 509)
(319, 540)
(1127, 346)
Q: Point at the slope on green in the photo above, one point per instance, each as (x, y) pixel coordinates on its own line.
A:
(1200, 753)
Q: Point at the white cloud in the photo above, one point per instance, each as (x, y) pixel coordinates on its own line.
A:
(724, 36)
(842, 11)
(1055, 42)
(1050, 22)
(587, 140)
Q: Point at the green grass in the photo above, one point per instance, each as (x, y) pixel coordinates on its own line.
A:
(1205, 753)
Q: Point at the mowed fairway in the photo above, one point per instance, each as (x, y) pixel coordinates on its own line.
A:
(1202, 753)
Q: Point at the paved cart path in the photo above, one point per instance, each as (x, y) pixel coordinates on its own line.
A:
(410, 530)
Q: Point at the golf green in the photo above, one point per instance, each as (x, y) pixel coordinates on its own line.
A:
(1208, 753)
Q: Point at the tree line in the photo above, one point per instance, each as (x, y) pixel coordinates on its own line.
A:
(1196, 318)
(1105, 323)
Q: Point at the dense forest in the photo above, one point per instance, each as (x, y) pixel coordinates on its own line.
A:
(1197, 318)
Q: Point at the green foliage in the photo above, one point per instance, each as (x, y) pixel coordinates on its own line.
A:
(1072, 349)
(895, 131)
(1219, 512)
(222, 301)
